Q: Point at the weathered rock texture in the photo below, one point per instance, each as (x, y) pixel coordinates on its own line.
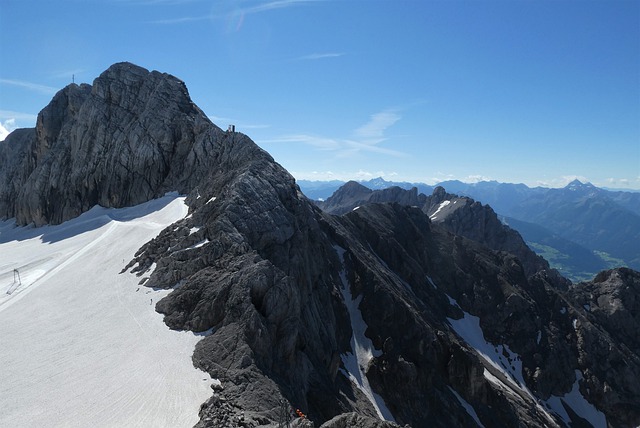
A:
(460, 215)
(267, 276)
(130, 137)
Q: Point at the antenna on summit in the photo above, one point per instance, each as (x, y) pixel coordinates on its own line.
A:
(73, 78)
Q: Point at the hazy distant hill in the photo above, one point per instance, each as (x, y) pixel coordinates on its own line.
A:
(588, 216)
(572, 260)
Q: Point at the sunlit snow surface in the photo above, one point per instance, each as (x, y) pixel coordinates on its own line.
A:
(81, 344)
(357, 362)
(442, 205)
(468, 328)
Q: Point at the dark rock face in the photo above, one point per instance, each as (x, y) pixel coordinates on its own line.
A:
(354, 420)
(393, 256)
(390, 309)
(130, 137)
(607, 325)
(353, 194)
(460, 215)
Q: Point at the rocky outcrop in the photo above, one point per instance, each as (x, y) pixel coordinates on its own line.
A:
(465, 217)
(353, 194)
(130, 137)
(405, 271)
(460, 215)
(354, 420)
(393, 310)
(606, 319)
(346, 198)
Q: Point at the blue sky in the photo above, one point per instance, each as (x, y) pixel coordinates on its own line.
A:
(538, 92)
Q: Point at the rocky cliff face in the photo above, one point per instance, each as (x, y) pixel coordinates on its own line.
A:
(389, 311)
(130, 137)
(460, 215)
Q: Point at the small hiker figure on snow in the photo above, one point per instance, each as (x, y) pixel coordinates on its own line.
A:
(151, 302)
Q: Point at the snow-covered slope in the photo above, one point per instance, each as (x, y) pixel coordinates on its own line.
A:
(81, 344)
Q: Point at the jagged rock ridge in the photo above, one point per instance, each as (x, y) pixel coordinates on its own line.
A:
(327, 313)
(460, 215)
(130, 137)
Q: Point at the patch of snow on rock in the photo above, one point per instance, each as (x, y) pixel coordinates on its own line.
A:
(357, 362)
(468, 407)
(468, 328)
(442, 205)
(579, 404)
(432, 283)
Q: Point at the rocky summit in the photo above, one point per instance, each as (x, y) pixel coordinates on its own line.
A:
(402, 310)
(130, 137)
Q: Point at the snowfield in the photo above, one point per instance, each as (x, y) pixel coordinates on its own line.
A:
(81, 344)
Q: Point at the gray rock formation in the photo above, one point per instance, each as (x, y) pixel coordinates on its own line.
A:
(607, 321)
(353, 194)
(460, 215)
(354, 420)
(130, 137)
(343, 317)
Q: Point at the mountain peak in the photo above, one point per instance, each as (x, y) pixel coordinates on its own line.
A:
(378, 183)
(141, 136)
(579, 185)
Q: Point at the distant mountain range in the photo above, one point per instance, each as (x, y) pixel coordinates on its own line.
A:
(580, 229)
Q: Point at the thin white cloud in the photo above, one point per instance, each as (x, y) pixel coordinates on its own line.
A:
(4, 131)
(182, 20)
(561, 181)
(475, 178)
(15, 115)
(30, 85)
(316, 56)
(367, 138)
(321, 143)
(372, 132)
(11, 120)
(157, 2)
(278, 4)
(616, 181)
(373, 148)
(620, 183)
(234, 10)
